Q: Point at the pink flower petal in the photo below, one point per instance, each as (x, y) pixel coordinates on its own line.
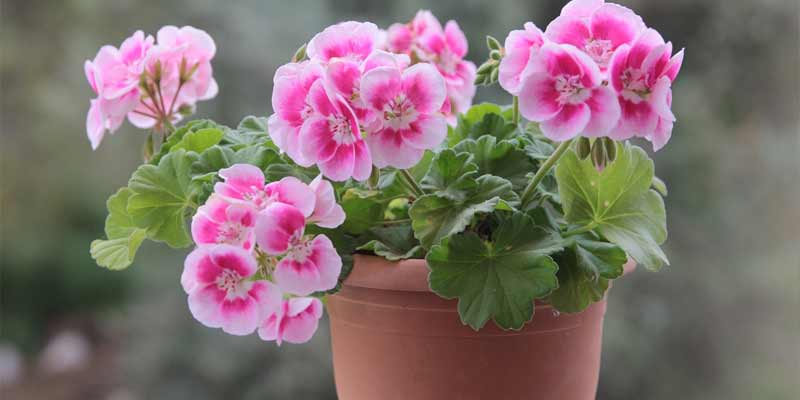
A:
(581, 8)
(424, 86)
(380, 86)
(568, 30)
(617, 66)
(605, 111)
(426, 133)
(518, 45)
(568, 123)
(642, 47)
(456, 41)
(388, 148)
(352, 40)
(327, 213)
(242, 181)
(301, 320)
(277, 226)
(309, 267)
(538, 98)
(616, 23)
(316, 139)
(637, 119)
(362, 164)
(292, 191)
(205, 305)
(662, 134)
(340, 166)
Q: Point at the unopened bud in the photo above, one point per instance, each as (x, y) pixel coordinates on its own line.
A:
(583, 147)
(495, 55)
(485, 68)
(599, 154)
(611, 149)
(495, 75)
(300, 54)
(492, 43)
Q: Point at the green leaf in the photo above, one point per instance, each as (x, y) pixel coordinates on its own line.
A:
(434, 217)
(498, 279)
(503, 159)
(123, 236)
(475, 115)
(389, 183)
(162, 198)
(618, 202)
(363, 209)
(584, 269)
(199, 140)
(252, 130)
(660, 186)
(451, 175)
(394, 243)
(177, 136)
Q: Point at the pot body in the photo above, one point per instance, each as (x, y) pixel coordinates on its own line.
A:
(393, 338)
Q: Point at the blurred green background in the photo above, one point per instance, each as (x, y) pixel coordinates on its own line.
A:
(721, 323)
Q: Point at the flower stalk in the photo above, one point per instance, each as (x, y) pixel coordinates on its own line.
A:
(548, 164)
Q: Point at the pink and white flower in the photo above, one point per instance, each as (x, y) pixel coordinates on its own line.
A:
(114, 76)
(564, 92)
(327, 213)
(519, 46)
(642, 74)
(310, 265)
(221, 222)
(403, 38)
(599, 34)
(349, 40)
(408, 103)
(295, 322)
(279, 227)
(290, 102)
(244, 183)
(221, 293)
(188, 51)
(331, 137)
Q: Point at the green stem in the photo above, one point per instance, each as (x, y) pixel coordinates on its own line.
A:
(530, 190)
(412, 183)
(515, 110)
(396, 221)
(578, 231)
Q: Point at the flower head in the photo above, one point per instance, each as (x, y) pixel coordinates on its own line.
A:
(292, 84)
(519, 46)
(219, 221)
(564, 92)
(310, 265)
(327, 213)
(597, 33)
(642, 75)
(295, 321)
(408, 103)
(221, 293)
(244, 183)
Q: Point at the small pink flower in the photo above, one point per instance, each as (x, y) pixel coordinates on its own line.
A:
(403, 38)
(279, 227)
(219, 221)
(564, 92)
(607, 28)
(327, 213)
(114, 76)
(193, 48)
(331, 137)
(295, 321)
(446, 49)
(642, 74)
(221, 293)
(519, 46)
(409, 103)
(309, 266)
(292, 83)
(245, 183)
(350, 40)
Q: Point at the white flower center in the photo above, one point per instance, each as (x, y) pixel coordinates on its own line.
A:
(634, 85)
(300, 250)
(570, 90)
(340, 127)
(399, 113)
(231, 282)
(259, 198)
(600, 50)
(231, 233)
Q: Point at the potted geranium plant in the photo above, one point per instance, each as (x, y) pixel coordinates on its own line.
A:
(377, 187)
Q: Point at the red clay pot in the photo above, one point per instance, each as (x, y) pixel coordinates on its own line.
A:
(394, 339)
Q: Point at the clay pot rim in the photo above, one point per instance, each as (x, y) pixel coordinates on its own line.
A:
(374, 272)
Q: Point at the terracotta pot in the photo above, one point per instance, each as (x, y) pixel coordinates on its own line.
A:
(393, 338)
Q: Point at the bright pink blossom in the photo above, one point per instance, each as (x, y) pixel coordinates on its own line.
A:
(244, 183)
(279, 227)
(350, 40)
(221, 293)
(409, 104)
(219, 221)
(519, 46)
(564, 92)
(193, 48)
(403, 38)
(310, 265)
(295, 321)
(331, 137)
(606, 28)
(642, 74)
(292, 83)
(327, 213)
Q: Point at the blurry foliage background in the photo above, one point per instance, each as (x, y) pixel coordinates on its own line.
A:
(721, 323)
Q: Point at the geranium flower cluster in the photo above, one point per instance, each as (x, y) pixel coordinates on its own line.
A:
(149, 81)
(254, 267)
(424, 39)
(352, 104)
(596, 70)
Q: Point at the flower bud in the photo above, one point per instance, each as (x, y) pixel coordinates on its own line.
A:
(492, 43)
(583, 147)
(495, 55)
(611, 149)
(598, 154)
(495, 75)
(300, 54)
